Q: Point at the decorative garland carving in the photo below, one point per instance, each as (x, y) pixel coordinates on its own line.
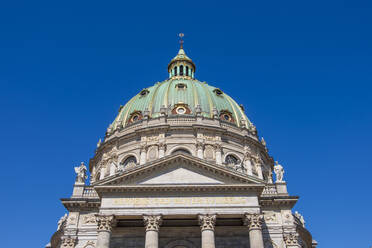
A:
(104, 222)
(152, 222)
(291, 238)
(207, 222)
(253, 221)
(68, 242)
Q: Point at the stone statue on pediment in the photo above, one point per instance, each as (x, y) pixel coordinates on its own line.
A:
(81, 173)
(279, 172)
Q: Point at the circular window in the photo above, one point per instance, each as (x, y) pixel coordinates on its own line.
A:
(135, 118)
(181, 110)
(226, 117)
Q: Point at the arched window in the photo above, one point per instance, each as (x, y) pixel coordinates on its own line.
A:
(187, 70)
(131, 160)
(182, 151)
(231, 159)
(175, 70)
(181, 70)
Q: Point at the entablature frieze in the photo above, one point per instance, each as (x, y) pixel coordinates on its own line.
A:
(258, 188)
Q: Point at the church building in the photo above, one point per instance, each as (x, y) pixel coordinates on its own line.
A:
(181, 166)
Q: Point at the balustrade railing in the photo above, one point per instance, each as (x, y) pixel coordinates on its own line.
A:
(269, 190)
(89, 192)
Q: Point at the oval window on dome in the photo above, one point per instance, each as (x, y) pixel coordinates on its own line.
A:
(181, 86)
(135, 116)
(218, 92)
(144, 92)
(181, 110)
(226, 116)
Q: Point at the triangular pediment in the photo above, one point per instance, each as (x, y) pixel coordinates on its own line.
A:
(180, 175)
(179, 169)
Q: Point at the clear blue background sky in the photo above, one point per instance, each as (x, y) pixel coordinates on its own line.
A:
(302, 69)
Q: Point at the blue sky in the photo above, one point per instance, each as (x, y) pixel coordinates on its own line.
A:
(302, 69)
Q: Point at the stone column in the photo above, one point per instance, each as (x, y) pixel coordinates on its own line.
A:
(161, 150)
(259, 171)
(68, 242)
(248, 165)
(218, 154)
(152, 225)
(207, 223)
(291, 240)
(143, 155)
(199, 150)
(104, 228)
(254, 224)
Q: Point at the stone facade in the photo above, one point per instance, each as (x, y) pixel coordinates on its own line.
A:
(181, 181)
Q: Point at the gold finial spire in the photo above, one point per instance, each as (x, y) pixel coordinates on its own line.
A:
(181, 35)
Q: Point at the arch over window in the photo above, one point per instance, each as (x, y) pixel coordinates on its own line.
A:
(131, 160)
(231, 159)
(181, 151)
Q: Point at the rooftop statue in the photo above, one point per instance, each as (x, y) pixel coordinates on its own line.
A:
(279, 172)
(81, 173)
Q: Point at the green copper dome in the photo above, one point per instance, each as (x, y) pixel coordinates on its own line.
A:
(181, 94)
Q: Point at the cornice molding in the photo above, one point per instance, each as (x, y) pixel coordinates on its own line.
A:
(184, 188)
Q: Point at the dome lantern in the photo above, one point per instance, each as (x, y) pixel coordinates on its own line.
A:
(181, 66)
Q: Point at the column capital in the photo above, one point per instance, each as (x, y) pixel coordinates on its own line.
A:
(68, 242)
(253, 221)
(207, 222)
(105, 222)
(290, 239)
(152, 222)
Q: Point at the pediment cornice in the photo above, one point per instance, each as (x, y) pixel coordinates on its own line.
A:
(188, 160)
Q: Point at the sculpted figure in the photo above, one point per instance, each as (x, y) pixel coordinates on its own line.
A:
(300, 217)
(119, 168)
(81, 173)
(279, 172)
(62, 222)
